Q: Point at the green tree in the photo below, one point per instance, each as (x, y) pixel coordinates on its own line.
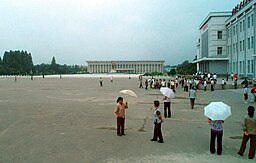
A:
(17, 63)
(186, 68)
(172, 72)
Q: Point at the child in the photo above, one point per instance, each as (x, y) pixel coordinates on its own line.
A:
(245, 93)
(157, 117)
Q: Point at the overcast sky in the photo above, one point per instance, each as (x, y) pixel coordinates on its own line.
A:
(75, 31)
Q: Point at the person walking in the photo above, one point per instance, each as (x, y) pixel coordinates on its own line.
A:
(157, 120)
(249, 129)
(167, 107)
(246, 91)
(120, 115)
(192, 97)
(111, 79)
(216, 131)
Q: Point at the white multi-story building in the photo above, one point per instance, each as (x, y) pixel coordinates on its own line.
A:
(240, 39)
(227, 41)
(137, 67)
(211, 47)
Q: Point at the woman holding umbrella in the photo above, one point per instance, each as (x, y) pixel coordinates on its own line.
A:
(216, 112)
(120, 114)
(216, 131)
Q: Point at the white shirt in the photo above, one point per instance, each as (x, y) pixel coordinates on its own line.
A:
(156, 117)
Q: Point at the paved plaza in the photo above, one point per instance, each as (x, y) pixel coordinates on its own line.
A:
(72, 120)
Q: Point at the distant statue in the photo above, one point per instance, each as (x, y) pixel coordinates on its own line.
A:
(113, 65)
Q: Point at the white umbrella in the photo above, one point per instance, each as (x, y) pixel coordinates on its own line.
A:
(167, 92)
(129, 92)
(217, 111)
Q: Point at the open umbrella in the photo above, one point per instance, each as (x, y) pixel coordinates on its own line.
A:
(129, 92)
(167, 92)
(217, 111)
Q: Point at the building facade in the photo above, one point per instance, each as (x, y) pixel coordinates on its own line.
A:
(227, 41)
(136, 67)
(211, 47)
(241, 39)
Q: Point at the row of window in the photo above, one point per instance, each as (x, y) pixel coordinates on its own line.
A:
(242, 66)
(250, 22)
(250, 45)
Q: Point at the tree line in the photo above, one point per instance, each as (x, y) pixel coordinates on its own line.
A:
(21, 63)
(185, 68)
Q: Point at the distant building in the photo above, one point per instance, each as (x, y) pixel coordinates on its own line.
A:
(136, 67)
(227, 41)
(168, 68)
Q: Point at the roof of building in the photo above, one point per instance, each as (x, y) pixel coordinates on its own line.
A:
(215, 14)
(240, 11)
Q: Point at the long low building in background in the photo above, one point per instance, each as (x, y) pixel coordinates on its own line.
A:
(133, 67)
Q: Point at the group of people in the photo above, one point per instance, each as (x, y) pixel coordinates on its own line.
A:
(216, 128)
(158, 83)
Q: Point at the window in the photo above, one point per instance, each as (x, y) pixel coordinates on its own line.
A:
(248, 66)
(243, 67)
(243, 25)
(249, 42)
(240, 44)
(252, 66)
(219, 34)
(240, 67)
(234, 30)
(240, 27)
(252, 19)
(252, 42)
(233, 48)
(237, 47)
(243, 45)
(219, 50)
(249, 21)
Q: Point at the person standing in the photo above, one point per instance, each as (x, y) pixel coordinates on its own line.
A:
(246, 91)
(157, 120)
(222, 83)
(120, 115)
(216, 131)
(146, 84)
(205, 85)
(235, 83)
(141, 86)
(111, 79)
(212, 85)
(232, 76)
(249, 129)
(192, 97)
(167, 107)
(101, 82)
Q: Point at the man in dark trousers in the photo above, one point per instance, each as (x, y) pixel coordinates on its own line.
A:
(157, 117)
